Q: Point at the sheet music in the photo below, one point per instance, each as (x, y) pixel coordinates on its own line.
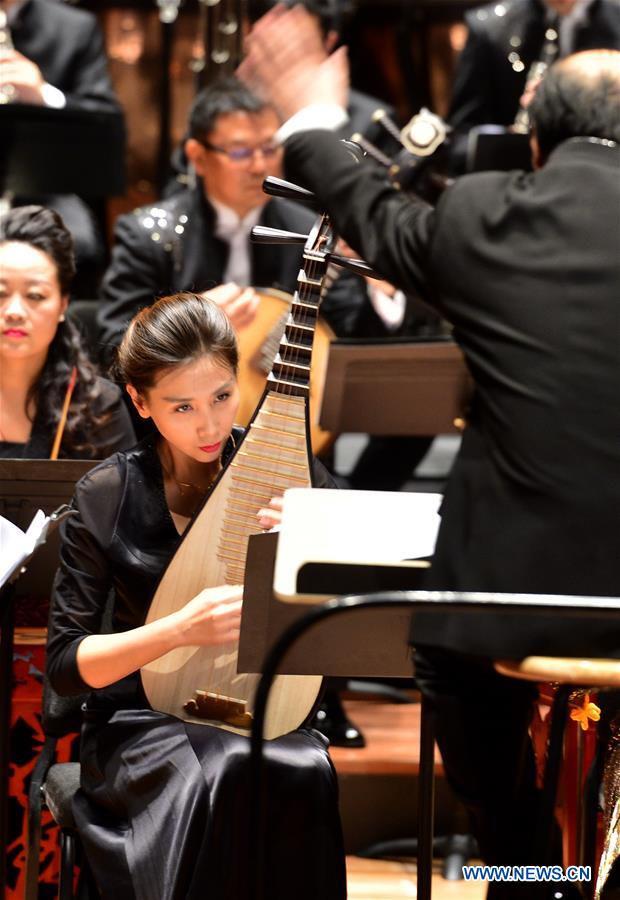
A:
(366, 527)
(16, 545)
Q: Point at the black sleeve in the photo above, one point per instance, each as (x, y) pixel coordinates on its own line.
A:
(139, 271)
(116, 432)
(472, 100)
(348, 310)
(321, 478)
(84, 578)
(390, 231)
(90, 86)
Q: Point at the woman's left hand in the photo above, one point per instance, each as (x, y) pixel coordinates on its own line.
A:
(271, 515)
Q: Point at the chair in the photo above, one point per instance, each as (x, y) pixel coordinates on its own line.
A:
(569, 674)
(54, 785)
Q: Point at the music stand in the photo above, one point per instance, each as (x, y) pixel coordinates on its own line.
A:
(26, 486)
(495, 147)
(320, 556)
(395, 387)
(343, 649)
(61, 151)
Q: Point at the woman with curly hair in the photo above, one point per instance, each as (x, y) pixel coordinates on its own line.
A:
(43, 370)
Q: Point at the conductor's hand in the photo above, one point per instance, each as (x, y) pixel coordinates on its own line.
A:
(287, 65)
(211, 618)
(271, 515)
(239, 304)
(24, 76)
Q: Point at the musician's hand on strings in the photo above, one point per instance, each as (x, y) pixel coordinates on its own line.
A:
(23, 76)
(271, 515)
(211, 618)
(287, 64)
(239, 304)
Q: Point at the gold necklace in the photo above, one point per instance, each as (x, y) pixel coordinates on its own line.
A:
(195, 488)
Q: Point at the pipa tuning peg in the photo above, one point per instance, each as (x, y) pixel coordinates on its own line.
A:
(355, 150)
(424, 133)
(262, 234)
(390, 126)
(278, 187)
(358, 266)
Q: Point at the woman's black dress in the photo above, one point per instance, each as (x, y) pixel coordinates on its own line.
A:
(115, 433)
(163, 809)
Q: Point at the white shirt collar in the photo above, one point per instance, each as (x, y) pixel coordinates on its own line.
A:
(235, 231)
(228, 223)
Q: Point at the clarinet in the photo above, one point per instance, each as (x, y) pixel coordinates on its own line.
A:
(8, 93)
(548, 53)
(221, 39)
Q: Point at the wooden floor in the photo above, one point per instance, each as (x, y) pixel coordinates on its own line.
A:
(392, 732)
(371, 879)
(392, 735)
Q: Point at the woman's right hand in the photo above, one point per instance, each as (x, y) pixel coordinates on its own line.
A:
(211, 618)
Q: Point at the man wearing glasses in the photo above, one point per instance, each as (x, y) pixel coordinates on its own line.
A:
(199, 239)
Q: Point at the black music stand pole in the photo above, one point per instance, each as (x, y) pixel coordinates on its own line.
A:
(7, 627)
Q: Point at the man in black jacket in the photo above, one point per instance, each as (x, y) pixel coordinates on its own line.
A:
(199, 239)
(57, 47)
(503, 41)
(59, 61)
(526, 268)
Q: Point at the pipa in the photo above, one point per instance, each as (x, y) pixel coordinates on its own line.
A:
(201, 684)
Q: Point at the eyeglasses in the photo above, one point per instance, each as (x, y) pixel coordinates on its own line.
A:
(244, 154)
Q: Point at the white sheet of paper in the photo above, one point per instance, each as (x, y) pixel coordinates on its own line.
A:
(352, 526)
(15, 545)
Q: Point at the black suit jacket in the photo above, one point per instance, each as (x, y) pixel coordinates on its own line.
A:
(172, 247)
(504, 39)
(526, 268)
(66, 45)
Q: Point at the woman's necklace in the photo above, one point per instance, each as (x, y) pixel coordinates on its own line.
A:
(190, 493)
(188, 487)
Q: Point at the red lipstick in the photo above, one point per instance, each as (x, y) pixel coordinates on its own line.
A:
(210, 448)
(15, 332)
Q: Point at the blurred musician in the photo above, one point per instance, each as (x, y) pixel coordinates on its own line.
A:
(507, 42)
(40, 354)
(199, 239)
(331, 16)
(54, 56)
